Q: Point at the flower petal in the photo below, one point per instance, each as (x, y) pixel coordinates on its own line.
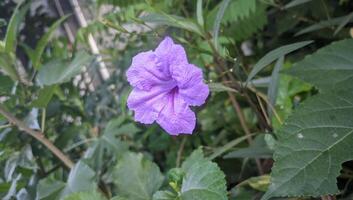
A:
(169, 53)
(176, 117)
(148, 104)
(144, 72)
(190, 82)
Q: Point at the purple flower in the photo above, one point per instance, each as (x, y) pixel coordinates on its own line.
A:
(164, 86)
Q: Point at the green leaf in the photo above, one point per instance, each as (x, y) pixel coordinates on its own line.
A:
(59, 71)
(85, 196)
(218, 20)
(250, 24)
(165, 195)
(42, 43)
(219, 151)
(44, 97)
(13, 26)
(311, 146)
(6, 85)
(7, 65)
(295, 3)
(273, 55)
(260, 183)
(81, 179)
(344, 22)
(331, 67)
(203, 179)
(136, 177)
(199, 13)
(219, 87)
(109, 143)
(172, 20)
(325, 24)
(49, 189)
(258, 149)
(273, 86)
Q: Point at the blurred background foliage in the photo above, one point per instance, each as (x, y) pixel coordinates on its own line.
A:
(85, 116)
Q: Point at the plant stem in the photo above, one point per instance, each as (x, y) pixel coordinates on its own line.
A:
(5, 126)
(43, 120)
(243, 124)
(180, 152)
(38, 136)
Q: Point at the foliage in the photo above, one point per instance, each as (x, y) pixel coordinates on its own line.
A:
(277, 125)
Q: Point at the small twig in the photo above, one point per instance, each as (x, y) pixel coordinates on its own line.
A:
(243, 124)
(43, 120)
(263, 110)
(180, 152)
(38, 136)
(263, 97)
(5, 126)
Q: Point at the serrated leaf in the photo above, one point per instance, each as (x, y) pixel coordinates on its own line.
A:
(42, 43)
(331, 67)
(203, 179)
(250, 24)
(273, 55)
(59, 71)
(136, 177)
(312, 145)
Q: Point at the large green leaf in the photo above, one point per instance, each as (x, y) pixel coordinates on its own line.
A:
(329, 68)
(202, 180)
(59, 71)
(136, 177)
(274, 55)
(312, 145)
(42, 43)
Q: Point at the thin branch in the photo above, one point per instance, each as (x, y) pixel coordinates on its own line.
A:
(5, 126)
(180, 152)
(38, 136)
(243, 124)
